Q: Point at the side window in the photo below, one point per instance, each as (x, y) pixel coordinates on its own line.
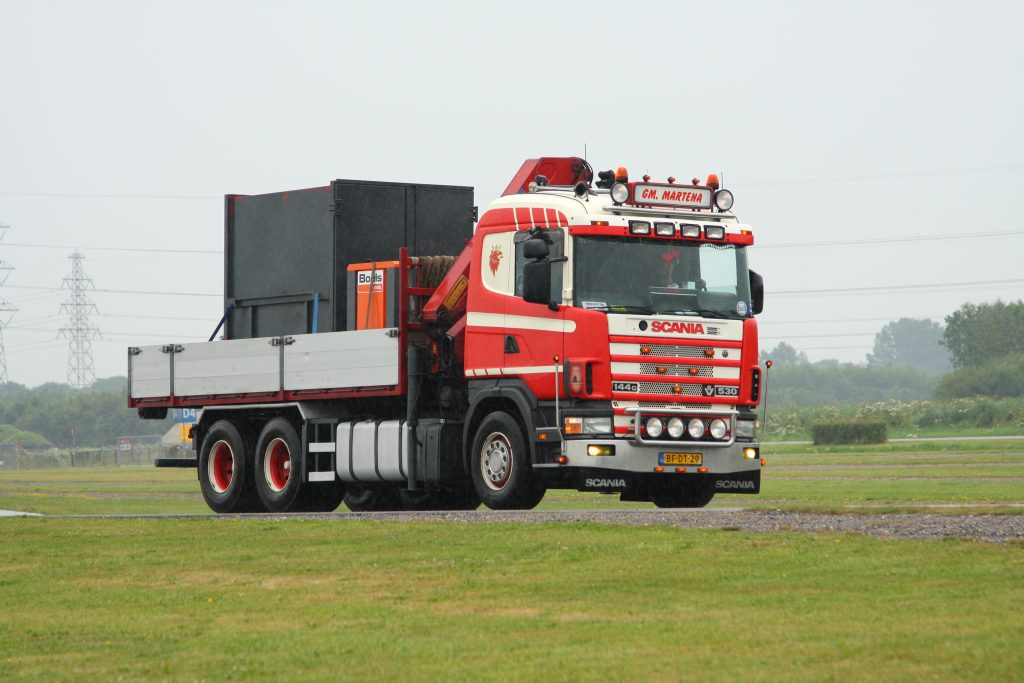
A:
(557, 238)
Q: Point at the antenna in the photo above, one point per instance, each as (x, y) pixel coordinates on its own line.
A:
(7, 309)
(80, 331)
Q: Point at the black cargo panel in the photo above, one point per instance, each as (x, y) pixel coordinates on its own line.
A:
(287, 253)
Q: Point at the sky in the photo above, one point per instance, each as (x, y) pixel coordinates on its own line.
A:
(875, 148)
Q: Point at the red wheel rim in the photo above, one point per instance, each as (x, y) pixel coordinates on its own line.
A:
(277, 465)
(222, 466)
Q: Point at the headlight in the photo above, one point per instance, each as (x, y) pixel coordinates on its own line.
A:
(620, 193)
(745, 429)
(714, 232)
(717, 429)
(654, 427)
(597, 425)
(665, 229)
(691, 231)
(695, 428)
(675, 428)
(639, 228)
(588, 425)
(723, 200)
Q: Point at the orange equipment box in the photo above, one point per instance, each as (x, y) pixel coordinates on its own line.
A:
(372, 295)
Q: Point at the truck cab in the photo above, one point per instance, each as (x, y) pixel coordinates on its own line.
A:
(619, 320)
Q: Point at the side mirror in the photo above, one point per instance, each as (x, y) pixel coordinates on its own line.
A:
(536, 249)
(757, 291)
(537, 280)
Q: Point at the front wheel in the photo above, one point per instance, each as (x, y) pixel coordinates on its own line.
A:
(500, 465)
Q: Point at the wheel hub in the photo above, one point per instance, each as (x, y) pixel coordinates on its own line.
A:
(277, 465)
(221, 469)
(496, 461)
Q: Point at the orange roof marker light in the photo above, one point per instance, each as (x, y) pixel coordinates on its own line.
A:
(713, 181)
(621, 175)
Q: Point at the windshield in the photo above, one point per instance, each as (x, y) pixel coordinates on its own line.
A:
(643, 275)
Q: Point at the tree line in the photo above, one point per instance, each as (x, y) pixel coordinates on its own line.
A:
(979, 351)
(58, 415)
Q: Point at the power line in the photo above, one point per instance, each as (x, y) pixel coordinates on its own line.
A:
(89, 195)
(893, 240)
(895, 288)
(120, 291)
(189, 252)
(885, 176)
(761, 321)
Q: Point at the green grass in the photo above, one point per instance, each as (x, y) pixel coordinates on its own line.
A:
(851, 479)
(216, 600)
(912, 432)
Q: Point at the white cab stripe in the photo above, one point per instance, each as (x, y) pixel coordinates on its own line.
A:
(520, 322)
(522, 370)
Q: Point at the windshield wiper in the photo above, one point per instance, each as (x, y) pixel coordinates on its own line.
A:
(704, 312)
(628, 308)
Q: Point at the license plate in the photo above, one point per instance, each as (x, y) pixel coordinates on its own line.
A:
(680, 459)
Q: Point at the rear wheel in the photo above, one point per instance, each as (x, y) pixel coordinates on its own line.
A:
(279, 473)
(689, 495)
(500, 465)
(225, 475)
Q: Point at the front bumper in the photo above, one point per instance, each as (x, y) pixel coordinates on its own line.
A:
(634, 467)
(645, 457)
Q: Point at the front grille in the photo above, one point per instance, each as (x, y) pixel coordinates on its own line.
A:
(667, 388)
(673, 351)
(677, 370)
(685, 406)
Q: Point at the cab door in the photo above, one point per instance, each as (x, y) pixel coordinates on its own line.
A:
(535, 334)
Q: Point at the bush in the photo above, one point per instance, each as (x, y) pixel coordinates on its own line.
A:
(1002, 377)
(848, 432)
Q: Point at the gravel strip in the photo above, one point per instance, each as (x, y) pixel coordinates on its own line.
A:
(991, 528)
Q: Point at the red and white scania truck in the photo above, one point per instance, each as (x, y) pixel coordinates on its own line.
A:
(594, 334)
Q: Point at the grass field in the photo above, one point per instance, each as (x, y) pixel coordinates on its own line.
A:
(211, 599)
(959, 476)
(215, 600)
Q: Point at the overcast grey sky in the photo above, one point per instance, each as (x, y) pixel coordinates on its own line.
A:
(123, 123)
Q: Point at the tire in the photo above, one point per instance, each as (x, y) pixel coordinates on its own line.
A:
(278, 473)
(500, 465)
(225, 471)
(370, 498)
(689, 495)
(278, 469)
